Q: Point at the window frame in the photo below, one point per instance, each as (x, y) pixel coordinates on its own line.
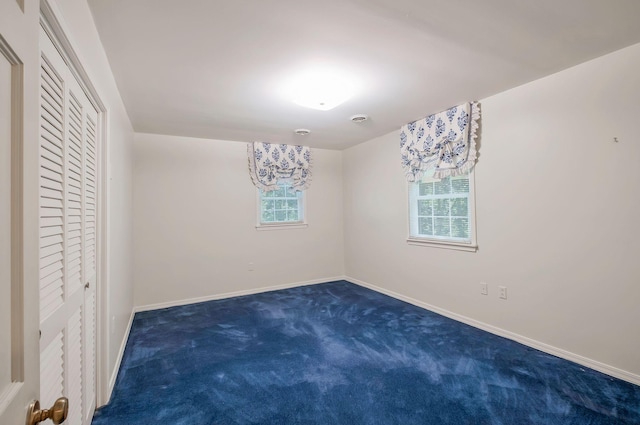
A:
(471, 246)
(282, 225)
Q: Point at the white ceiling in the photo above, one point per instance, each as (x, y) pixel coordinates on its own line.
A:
(212, 68)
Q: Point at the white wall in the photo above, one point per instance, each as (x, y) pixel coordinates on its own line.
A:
(79, 26)
(195, 216)
(557, 216)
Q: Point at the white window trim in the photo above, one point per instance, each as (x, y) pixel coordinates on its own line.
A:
(471, 246)
(281, 226)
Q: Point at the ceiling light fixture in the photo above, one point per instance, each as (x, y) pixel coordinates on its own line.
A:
(321, 88)
(302, 131)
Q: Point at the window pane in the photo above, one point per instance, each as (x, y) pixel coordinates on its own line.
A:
(460, 185)
(460, 228)
(267, 216)
(459, 207)
(443, 187)
(425, 226)
(425, 207)
(281, 215)
(442, 226)
(292, 204)
(281, 204)
(292, 215)
(441, 207)
(426, 189)
(267, 204)
(291, 192)
(280, 192)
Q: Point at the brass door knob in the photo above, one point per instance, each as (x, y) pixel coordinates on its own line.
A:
(57, 413)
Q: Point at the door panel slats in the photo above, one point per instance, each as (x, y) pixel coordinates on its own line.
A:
(74, 368)
(52, 371)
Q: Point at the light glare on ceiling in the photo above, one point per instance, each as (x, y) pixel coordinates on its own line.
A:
(320, 88)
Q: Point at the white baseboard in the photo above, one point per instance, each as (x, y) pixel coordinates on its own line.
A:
(555, 351)
(558, 352)
(186, 301)
(116, 367)
(149, 307)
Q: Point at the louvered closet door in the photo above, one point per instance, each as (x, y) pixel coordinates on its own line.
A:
(67, 239)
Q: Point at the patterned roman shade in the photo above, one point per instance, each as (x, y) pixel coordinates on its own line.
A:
(272, 164)
(445, 142)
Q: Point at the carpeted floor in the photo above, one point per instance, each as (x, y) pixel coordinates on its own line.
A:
(337, 353)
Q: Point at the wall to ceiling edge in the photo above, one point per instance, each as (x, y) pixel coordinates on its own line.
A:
(557, 217)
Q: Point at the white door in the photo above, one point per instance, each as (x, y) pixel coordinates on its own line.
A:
(68, 128)
(19, 317)
(48, 176)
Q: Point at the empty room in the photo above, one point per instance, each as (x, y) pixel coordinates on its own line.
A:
(302, 212)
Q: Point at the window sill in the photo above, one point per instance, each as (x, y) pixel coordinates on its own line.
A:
(458, 246)
(281, 226)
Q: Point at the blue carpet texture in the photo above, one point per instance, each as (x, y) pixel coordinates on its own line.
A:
(337, 353)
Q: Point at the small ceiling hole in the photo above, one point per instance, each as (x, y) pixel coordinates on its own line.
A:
(359, 118)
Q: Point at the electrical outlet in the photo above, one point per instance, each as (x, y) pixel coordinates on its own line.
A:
(503, 292)
(250, 268)
(484, 288)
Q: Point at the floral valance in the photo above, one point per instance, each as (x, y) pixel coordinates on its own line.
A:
(271, 164)
(445, 142)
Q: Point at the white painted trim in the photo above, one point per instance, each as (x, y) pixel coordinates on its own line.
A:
(549, 349)
(103, 307)
(149, 307)
(116, 369)
(281, 226)
(159, 306)
(9, 394)
(16, 213)
(442, 244)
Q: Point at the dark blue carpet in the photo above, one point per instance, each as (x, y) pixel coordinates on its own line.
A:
(337, 353)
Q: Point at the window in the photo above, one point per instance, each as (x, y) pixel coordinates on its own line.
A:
(281, 207)
(441, 212)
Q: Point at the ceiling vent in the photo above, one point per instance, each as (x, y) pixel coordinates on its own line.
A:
(302, 131)
(359, 118)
